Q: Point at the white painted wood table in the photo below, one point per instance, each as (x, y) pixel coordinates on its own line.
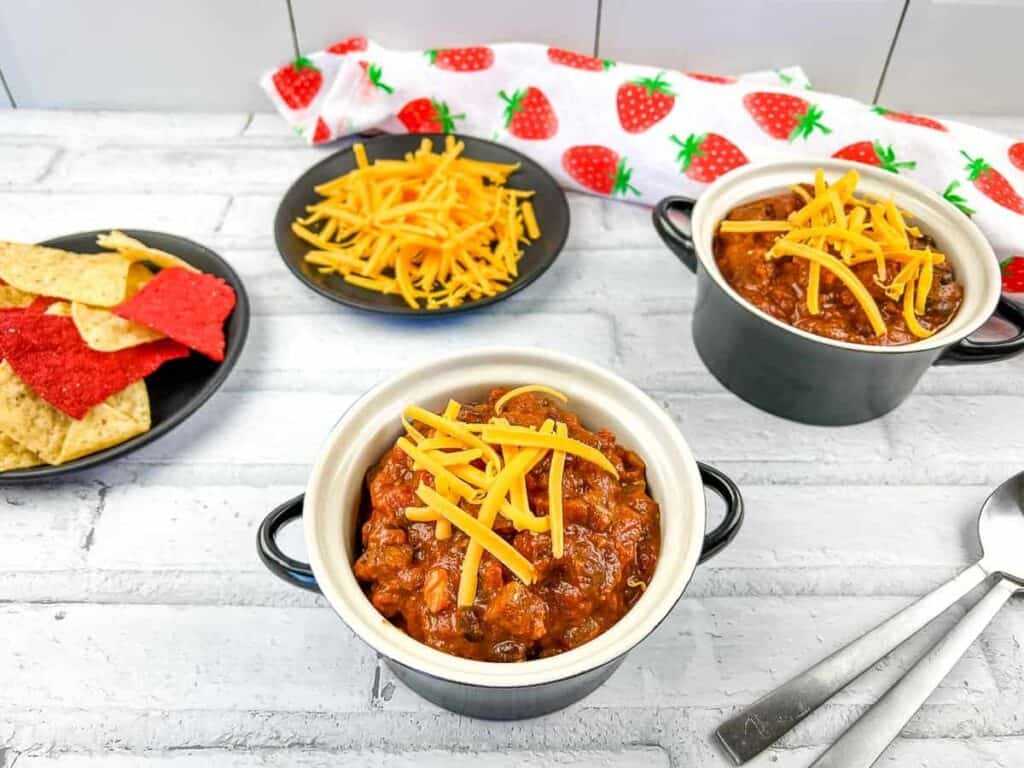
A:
(138, 628)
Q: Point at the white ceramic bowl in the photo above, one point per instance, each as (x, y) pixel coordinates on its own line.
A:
(601, 399)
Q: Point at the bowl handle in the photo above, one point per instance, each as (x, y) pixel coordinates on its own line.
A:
(967, 351)
(295, 572)
(716, 540)
(681, 243)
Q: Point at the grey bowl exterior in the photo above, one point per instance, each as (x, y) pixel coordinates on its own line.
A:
(792, 376)
(807, 378)
(504, 703)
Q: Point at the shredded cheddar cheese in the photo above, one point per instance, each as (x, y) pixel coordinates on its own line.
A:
(480, 534)
(514, 393)
(437, 229)
(478, 472)
(555, 497)
(835, 230)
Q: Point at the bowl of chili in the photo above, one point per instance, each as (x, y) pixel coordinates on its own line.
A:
(853, 345)
(479, 657)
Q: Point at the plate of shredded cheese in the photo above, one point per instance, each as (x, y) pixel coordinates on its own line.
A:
(422, 224)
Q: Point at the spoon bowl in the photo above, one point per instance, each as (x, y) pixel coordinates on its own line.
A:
(1001, 529)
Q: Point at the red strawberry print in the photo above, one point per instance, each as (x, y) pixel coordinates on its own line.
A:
(374, 73)
(951, 196)
(784, 116)
(462, 59)
(322, 133)
(906, 117)
(1016, 154)
(642, 103)
(874, 153)
(598, 169)
(428, 116)
(528, 114)
(579, 60)
(1013, 274)
(298, 83)
(992, 184)
(704, 157)
(358, 43)
(706, 78)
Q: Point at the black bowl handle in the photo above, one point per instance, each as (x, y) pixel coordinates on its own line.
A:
(295, 572)
(680, 242)
(716, 540)
(967, 351)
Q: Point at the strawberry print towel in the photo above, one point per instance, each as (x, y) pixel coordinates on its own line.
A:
(639, 133)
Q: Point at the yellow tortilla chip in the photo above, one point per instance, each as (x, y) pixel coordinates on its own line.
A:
(101, 428)
(99, 279)
(104, 331)
(57, 438)
(138, 276)
(136, 250)
(133, 402)
(58, 308)
(12, 298)
(29, 420)
(15, 456)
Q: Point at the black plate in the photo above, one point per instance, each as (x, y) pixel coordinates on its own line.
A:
(549, 204)
(178, 387)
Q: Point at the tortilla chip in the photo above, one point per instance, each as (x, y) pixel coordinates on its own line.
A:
(189, 307)
(15, 456)
(136, 250)
(99, 279)
(55, 437)
(103, 427)
(12, 298)
(28, 420)
(58, 309)
(133, 402)
(104, 331)
(49, 355)
(138, 276)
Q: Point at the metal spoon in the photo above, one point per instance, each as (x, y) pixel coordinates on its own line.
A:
(1001, 531)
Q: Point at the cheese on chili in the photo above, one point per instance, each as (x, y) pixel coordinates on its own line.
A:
(451, 452)
(831, 236)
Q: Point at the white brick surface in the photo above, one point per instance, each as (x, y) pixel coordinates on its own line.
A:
(24, 163)
(630, 757)
(35, 216)
(138, 628)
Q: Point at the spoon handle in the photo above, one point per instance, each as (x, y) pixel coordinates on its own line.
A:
(863, 743)
(767, 720)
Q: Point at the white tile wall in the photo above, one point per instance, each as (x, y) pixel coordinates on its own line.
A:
(122, 54)
(958, 54)
(419, 24)
(193, 55)
(841, 44)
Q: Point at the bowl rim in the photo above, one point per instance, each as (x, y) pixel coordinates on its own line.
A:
(902, 186)
(394, 644)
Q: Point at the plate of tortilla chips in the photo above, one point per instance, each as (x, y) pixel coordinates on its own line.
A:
(108, 340)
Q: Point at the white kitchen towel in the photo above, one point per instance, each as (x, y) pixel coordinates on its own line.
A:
(639, 133)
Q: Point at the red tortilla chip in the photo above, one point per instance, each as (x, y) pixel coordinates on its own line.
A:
(50, 356)
(40, 304)
(189, 307)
